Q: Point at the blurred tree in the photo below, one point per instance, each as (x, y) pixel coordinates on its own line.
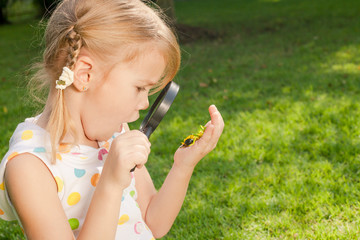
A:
(168, 7)
(186, 33)
(46, 7)
(3, 11)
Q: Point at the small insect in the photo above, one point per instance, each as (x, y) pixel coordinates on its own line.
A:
(191, 139)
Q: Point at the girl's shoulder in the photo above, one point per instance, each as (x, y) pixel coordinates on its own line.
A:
(29, 133)
(28, 137)
(28, 143)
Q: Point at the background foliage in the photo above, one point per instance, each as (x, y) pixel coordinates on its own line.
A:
(284, 74)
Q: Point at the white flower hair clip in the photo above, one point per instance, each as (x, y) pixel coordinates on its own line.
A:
(66, 79)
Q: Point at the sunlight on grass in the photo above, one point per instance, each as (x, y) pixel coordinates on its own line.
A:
(344, 61)
(346, 68)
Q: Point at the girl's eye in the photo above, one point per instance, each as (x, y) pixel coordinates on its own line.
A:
(140, 89)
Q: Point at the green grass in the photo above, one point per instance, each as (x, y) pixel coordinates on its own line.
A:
(285, 77)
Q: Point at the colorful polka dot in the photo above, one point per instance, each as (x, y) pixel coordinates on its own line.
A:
(94, 179)
(1, 212)
(2, 186)
(102, 152)
(39, 149)
(59, 183)
(64, 148)
(79, 172)
(11, 156)
(26, 135)
(123, 219)
(139, 227)
(106, 145)
(132, 193)
(73, 198)
(58, 156)
(74, 223)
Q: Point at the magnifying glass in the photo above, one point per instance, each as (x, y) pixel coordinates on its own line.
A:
(159, 109)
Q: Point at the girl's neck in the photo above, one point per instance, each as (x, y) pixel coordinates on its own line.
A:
(83, 140)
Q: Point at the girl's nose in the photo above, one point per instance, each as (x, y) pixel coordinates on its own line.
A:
(144, 104)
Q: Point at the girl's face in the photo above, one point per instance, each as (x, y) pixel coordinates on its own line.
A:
(120, 96)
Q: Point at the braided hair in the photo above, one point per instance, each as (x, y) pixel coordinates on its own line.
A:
(74, 41)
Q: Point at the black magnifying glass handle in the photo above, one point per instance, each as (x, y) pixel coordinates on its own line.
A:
(133, 169)
(148, 131)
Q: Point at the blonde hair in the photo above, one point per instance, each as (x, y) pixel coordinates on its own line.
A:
(100, 26)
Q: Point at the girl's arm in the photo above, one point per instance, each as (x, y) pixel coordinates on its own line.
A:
(161, 208)
(33, 192)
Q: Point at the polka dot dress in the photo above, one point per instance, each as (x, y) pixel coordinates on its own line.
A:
(76, 173)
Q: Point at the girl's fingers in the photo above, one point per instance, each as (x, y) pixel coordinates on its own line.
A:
(207, 124)
(207, 136)
(141, 148)
(134, 134)
(216, 120)
(132, 148)
(139, 158)
(213, 128)
(215, 116)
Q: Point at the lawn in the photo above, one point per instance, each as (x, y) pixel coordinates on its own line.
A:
(284, 74)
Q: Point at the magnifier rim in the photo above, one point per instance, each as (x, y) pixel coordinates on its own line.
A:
(162, 109)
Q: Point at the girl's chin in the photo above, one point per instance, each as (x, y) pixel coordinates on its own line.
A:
(134, 118)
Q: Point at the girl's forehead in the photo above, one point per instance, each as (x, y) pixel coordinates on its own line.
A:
(145, 53)
(142, 59)
(147, 63)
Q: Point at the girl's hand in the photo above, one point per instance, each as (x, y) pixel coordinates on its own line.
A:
(127, 150)
(190, 156)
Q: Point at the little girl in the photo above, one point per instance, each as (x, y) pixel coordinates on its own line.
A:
(67, 172)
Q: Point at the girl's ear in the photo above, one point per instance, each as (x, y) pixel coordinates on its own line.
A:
(82, 73)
